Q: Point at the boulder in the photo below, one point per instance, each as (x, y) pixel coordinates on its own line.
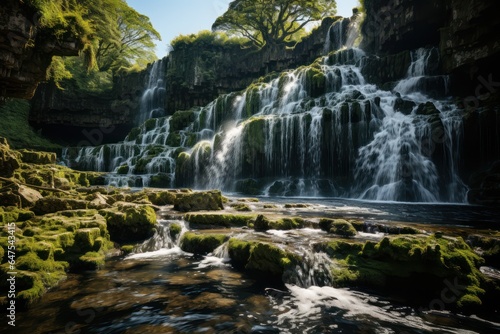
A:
(9, 159)
(53, 204)
(198, 201)
(37, 157)
(130, 223)
(28, 196)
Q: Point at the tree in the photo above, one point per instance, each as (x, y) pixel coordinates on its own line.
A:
(273, 22)
(125, 37)
(113, 36)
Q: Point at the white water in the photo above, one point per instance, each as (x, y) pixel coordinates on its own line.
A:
(153, 98)
(314, 131)
(161, 244)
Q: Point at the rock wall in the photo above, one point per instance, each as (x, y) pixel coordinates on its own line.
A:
(195, 76)
(26, 49)
(82, 118)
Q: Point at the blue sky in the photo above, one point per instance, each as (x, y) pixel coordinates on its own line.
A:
(174, 17)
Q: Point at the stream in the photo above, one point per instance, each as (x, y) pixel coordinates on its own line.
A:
(161, 289)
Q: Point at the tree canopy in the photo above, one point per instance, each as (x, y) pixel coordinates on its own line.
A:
(113, 36)
(272, 22)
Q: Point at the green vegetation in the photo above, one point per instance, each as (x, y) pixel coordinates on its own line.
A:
(262, 223)
(399, 262)
(114, 36)
(338, 226)
(201, 243)
(48, 246)
(265, 260)
(211, 220)
(206, 39)
(15, 127)
(272, 22)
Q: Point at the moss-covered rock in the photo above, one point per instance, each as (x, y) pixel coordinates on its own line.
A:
(201, 244)
(130, 223)
(174, 230)
(338, 226)
(269, 260)
(397, 262)
(214, 220)
(263, 223)
(241, 207)
(52, 204)
(47, 247)
(198, 201)
(38, 157)
(9, 159)
(162, 197)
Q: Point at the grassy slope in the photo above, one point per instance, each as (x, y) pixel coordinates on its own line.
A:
(15, 127)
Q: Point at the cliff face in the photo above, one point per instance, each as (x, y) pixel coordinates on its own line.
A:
(195, 75)
(26, 49)
(79, 118)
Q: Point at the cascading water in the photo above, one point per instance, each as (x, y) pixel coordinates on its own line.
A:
(165, 240)
(320, 130)
(153, 99)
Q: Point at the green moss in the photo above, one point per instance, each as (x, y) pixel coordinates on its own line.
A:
(123, 169)
(175, 230)
(337, 226)
(239, 252)
(128, 224)
(201, 244)
(241, 207)
(262, 223)
(181, 120)
(207, 220)
(162, 197)
(127, 249)
(91, 261)
(206, 200)
(15, 127)
(269, 260)
(396, 262)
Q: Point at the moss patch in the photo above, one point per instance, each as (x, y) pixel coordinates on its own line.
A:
(396, 263)
(201, 244)
(211, 220)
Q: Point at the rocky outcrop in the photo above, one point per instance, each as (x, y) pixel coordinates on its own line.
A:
(195, 76)
(463, 30)
(26, 49)
(88, 119)
(9, 160)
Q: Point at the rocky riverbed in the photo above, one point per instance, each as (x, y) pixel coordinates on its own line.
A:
(64, 221)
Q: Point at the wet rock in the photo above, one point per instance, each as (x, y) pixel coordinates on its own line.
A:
(338, 226)
(263, 223)
(395, 263)
(198, 201)
(485, 186)
(51, 204)
(128, 223)
(9, 159)
(202, 244)
(38, 157)
(213, 220)
(404, 106)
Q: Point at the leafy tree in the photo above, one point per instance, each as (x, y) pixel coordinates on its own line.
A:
(272, 22)
(113, 37)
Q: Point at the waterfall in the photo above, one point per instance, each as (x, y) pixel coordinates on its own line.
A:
(342, 34)
(165, 241)
(315, 269)
(152, 103)
(319, 130)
